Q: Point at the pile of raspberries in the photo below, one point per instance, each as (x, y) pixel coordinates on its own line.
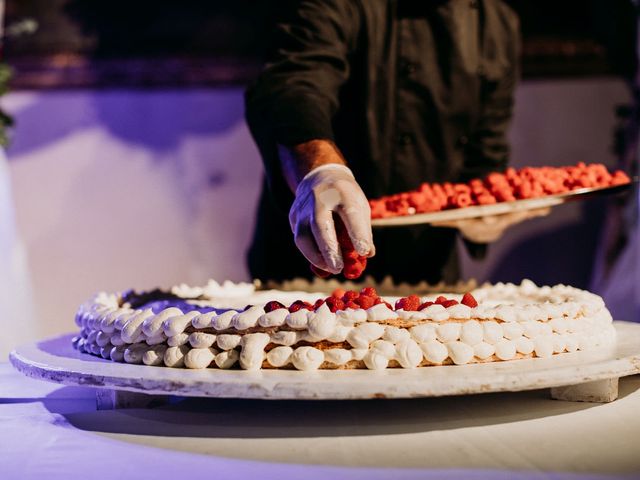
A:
(366, 298)
(354, 263)
(529, 182)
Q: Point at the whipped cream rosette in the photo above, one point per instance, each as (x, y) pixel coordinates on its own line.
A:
(236, 326)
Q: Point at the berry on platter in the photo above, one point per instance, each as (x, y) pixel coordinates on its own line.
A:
(512, 185)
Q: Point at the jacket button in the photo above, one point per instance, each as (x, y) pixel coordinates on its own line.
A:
(463, 140)
(405, 139)
(409, 69)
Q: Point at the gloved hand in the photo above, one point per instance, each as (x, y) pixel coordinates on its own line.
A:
(489, 229)
(329, 189)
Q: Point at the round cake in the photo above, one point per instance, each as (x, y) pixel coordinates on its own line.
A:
(237, 326)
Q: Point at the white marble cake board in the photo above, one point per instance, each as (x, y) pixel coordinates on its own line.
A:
(580, 376)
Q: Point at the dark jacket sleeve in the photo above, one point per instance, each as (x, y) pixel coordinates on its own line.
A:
(296, 96)
(488, 149)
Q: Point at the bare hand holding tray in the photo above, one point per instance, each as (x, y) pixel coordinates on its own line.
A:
(500, 208)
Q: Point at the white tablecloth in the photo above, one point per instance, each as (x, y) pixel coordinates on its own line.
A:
(49, 431)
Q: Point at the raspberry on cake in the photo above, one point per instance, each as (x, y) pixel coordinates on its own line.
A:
(210, 328)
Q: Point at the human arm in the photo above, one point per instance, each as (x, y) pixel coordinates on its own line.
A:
(295, 98)
(290, 110)
(324, 187)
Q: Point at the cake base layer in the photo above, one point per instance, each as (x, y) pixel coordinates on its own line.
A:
(56, 360)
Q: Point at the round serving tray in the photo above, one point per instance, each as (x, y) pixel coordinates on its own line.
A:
(55, 360)
(477, 211)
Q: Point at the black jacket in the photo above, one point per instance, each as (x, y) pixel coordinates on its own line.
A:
(409, 90)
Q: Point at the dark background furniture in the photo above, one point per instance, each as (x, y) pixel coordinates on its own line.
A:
(161, 43)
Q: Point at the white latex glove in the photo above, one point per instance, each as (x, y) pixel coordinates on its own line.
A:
(327, 189)
(489, 229)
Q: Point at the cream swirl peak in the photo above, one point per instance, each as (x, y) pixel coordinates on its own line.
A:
(235, 326)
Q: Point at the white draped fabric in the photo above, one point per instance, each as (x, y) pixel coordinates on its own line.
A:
(16, 315)
(49, 431)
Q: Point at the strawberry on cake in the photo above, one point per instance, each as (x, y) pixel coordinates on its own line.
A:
(235, 326)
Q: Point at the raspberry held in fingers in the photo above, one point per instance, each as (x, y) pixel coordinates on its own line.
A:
(354, 263)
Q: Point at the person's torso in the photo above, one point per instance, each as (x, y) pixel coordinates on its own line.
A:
(419, 74)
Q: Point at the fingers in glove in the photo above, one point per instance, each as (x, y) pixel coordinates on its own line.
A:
(478, 230)
(306, 243)
(503, 220)
(508, 219)
(539, 212)
(324, 232)
(446, 224)
(358, 223)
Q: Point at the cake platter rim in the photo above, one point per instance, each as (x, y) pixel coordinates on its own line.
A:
(70, 367)
(500, 208)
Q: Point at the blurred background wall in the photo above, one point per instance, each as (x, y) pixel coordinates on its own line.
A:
(131, 164)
